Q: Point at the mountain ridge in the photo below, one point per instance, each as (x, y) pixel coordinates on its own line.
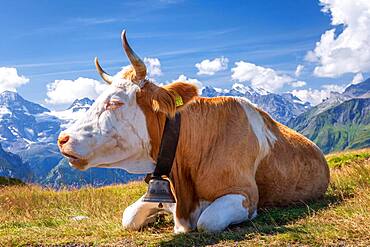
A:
(340, 122)
(282, 107)
(29, 131)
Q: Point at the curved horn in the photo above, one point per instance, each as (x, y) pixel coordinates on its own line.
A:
(137, 63)
(105, 76)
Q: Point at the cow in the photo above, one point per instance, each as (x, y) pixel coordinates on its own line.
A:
(231, 157)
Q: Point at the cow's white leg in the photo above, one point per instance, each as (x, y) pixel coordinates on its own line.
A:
(139, 214)
(223, 212)
(187, 225)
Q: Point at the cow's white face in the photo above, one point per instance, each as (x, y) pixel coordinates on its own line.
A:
(112, 133)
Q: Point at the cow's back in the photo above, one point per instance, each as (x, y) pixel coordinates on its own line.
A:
(224, 141)
(295, 170)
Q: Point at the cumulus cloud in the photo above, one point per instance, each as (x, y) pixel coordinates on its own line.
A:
(348, 51)
(261, 77)
(358, 78)
(153, 66)
(210, 67)
(10, 80)
(298, 70)
(316, 96)
(298, 83)
(66, 91)
(184, 78)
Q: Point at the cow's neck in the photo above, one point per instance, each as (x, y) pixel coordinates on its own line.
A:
(155, 121)
(185, 193)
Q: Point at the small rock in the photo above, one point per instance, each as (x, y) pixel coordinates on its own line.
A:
(79, 217)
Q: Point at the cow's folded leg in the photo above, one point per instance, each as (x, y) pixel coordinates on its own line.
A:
(139, 214)
(224, 211)
(181, 226)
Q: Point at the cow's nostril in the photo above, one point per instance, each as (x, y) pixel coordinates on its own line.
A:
(63, 139)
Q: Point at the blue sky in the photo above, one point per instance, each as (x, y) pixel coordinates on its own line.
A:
(47, 41)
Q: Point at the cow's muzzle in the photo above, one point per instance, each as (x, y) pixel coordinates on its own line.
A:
(64, 144)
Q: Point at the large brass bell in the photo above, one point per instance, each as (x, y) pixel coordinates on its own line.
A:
(159, 190)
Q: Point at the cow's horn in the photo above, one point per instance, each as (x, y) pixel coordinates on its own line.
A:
(105, 76)
(137, 63)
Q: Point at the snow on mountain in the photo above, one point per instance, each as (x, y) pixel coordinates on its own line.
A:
(81, 104)
(359, 90)
(281, 107)
(248, 89)
(339, 122)
(23, 122)
(75, 111)
(31, 131)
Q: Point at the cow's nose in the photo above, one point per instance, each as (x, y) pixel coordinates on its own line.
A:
(63, 139)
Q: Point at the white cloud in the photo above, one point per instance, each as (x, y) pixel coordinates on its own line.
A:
(210, 67)
(357, 78)
(316, 96)
(10, 80)
(261, 77)
(196, 82)
(154, 66)
(298, 83)
(66, 91)
(298, 70)
(349, 51)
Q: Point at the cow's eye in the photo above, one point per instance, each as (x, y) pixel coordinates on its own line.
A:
(113, 104)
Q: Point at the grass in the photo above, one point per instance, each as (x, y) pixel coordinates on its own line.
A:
(338, 160)
(31, 215)
(5, 181)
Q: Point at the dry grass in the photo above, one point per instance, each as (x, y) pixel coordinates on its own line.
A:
(31, 215)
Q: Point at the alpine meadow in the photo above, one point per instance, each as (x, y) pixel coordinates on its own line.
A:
(185, 123)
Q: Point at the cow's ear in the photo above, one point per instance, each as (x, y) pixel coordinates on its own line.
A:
(173, 97)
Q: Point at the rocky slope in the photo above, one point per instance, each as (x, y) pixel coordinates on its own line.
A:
(12, 166)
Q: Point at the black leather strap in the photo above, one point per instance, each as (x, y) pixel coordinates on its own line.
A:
(167, 150)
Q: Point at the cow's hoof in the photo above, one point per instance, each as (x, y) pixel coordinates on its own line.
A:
(129, 226)
(128, 222)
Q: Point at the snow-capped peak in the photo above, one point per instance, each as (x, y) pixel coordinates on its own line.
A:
(241, 88)
(248, 89)
(81, 104)
(15, 103)
(261, 91)
(75, 111)
(282, 107)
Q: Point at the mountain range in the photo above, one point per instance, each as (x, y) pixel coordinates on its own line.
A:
(29, 131)
(281, 107)
(340, 122)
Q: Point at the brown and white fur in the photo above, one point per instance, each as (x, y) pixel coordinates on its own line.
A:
(231, 157)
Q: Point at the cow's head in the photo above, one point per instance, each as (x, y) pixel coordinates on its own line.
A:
(118, 129)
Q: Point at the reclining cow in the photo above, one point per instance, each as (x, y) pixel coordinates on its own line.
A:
(231, 156)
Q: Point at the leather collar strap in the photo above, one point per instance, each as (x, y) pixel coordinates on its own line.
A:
(167, 150)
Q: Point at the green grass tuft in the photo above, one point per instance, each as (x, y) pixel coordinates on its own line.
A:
(5, 181)
(343, 159)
